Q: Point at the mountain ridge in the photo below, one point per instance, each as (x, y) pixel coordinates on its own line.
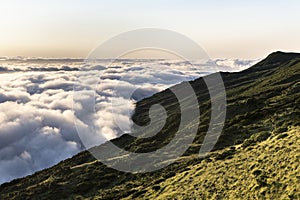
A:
(263, 104)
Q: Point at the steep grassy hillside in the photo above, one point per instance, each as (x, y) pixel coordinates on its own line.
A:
(267, 170)
(256, 157)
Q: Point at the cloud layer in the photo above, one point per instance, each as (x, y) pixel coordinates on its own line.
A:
(37, 119)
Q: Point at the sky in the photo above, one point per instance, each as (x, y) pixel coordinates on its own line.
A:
(73, 28)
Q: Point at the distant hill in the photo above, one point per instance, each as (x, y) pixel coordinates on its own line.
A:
(256, 157)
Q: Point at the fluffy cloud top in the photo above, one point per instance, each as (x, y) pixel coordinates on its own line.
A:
(38, 115)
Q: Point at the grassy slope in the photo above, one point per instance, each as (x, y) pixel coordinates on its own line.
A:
(268, 170)
(263, 103)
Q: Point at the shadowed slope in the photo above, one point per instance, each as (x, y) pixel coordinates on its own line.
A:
(262, 120)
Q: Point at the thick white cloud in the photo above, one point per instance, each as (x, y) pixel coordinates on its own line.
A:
(37, 119)
(234, 64)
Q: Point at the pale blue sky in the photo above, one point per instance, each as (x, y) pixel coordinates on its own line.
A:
(72, 28)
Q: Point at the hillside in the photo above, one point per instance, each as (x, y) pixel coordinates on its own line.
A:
(256, 157)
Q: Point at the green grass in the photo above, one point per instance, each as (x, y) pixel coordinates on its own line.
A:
(268, 170)
(256, 156)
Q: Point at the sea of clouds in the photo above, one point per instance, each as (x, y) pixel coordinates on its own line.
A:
(37, 112)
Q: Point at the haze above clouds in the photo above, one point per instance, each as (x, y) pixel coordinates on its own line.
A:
(230, 28)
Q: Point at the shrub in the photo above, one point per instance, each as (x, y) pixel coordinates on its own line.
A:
(225, 154)
(283, 135)
(169, 174)
(138, 193)
(280, 130)
(262, 136)
(156, 187)
(82, 188)
(257, 172)
(248, 142)
(259, 137)
(159, 180)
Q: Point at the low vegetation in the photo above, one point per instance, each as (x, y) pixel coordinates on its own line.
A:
(256, 157)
